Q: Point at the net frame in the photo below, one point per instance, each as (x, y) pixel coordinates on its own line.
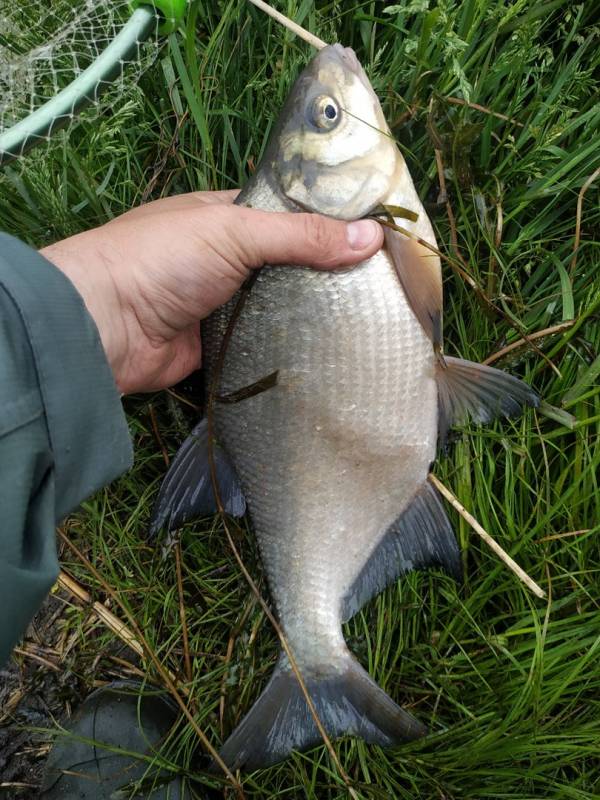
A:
(107, 66)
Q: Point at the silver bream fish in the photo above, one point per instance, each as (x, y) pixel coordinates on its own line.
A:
(333, 459)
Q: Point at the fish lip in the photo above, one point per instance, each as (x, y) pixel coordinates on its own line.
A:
(346, 55)
(349, 60)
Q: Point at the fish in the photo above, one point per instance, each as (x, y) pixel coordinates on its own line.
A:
(330, 455)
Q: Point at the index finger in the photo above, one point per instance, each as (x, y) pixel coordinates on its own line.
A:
(181, 202)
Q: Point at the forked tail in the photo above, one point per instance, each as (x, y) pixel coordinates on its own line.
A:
(348, 702)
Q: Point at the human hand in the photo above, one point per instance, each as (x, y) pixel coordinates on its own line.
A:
(149, 276)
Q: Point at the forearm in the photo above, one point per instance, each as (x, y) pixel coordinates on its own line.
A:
(63, 433)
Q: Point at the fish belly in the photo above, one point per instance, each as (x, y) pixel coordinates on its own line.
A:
(333, 454)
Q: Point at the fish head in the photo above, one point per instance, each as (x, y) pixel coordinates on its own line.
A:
(331, 151)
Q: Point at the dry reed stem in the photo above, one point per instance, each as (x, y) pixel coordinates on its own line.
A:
(562, 326)
(458, 101)
(184, 630)
(27, 653)
(230, 645)
(18, 785)
(157, 435)
(178, 570)
(313, 40)
(492, 276)
(580, 197)
(450, 213)
(491, 543)
(11, 704)
(554, 536)
(181, 399)
(119, 628)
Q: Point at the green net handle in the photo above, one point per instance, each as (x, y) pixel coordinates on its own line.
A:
(170, 11)
(86, 88)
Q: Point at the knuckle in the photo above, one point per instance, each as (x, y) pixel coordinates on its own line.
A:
(319, 234)
(222, 215)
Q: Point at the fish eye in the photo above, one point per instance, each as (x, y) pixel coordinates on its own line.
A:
(324, 112)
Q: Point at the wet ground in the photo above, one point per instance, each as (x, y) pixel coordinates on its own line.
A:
(58, 663)
(37, 686)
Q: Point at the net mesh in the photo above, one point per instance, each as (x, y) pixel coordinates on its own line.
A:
(46, 44)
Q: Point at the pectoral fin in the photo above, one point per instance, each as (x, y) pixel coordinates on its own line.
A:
(187, 490)
(466, 389)
(420, 275)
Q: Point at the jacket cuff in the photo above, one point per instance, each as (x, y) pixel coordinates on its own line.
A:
(86, 423)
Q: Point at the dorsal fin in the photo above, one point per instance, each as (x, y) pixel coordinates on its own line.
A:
(420, 274)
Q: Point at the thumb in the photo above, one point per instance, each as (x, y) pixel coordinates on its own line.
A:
(312, 240)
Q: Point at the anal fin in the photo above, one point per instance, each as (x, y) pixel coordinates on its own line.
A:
(421, 537)
(187, 490)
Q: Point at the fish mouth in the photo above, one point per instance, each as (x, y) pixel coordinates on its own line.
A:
(349, 61)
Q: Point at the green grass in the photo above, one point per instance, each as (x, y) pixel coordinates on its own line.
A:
(510, 685)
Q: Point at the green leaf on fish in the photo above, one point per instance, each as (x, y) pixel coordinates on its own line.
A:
(394, 211)
(262, 385)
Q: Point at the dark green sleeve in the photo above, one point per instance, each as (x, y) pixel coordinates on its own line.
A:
(63, 433)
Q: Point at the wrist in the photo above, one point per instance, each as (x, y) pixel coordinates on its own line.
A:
(89, 270)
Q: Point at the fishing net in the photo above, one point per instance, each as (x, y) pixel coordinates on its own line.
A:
(72, 50)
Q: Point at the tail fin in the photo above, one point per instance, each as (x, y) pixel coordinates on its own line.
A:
(349, 702)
